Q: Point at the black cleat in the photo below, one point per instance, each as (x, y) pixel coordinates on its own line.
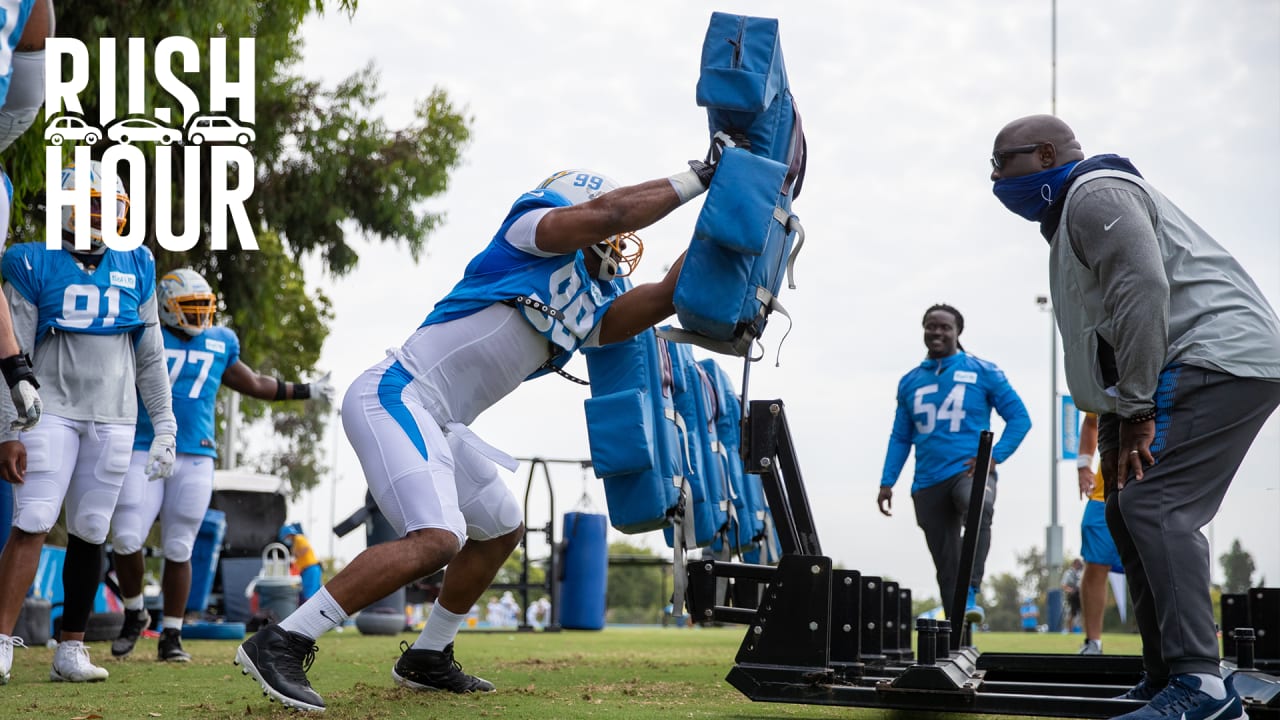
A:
(171, 646)
(279, 661)
(435, 670)
(135, 621)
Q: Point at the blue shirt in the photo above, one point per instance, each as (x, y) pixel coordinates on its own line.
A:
(104, 302)
(943, 405)
(502, 272)
(196, 365)
(11, 40)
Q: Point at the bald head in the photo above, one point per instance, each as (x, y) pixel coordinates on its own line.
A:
(1042, 129)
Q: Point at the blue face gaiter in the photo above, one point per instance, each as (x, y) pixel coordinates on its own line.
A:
(1031, 195)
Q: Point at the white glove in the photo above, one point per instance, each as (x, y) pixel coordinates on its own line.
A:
(27, 402)
(160, 458)
(322, 390)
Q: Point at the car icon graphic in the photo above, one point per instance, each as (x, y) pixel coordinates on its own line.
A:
(70, 127)
(131, 130)
(217, 128)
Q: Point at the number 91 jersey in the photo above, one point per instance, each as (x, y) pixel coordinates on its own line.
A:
(104, 302)
(196, 365)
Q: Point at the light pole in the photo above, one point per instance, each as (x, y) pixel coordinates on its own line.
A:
(1053, 533)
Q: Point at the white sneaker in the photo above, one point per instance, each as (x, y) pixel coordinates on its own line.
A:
(71, 664)
(1091, 647)
(7, 644)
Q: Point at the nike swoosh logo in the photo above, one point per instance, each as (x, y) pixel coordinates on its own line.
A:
(1108, 226)
(1214, 716)
(536, 193)
(325, 615)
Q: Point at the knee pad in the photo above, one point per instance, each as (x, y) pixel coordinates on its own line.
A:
(93, 521)
(178, 549)
(36, 518)
(125, 542)
(492, 514)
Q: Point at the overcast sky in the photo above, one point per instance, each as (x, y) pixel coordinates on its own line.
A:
(900, 104)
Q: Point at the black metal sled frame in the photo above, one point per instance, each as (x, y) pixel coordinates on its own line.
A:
(817, 635)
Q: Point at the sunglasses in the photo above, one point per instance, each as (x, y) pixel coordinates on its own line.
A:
(998, 157)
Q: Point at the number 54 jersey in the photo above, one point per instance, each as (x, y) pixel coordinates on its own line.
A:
(943, 405)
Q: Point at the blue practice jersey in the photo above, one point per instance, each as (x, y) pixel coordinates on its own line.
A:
(196, 365)
(13, 19)
(943, 405)
(104, 302)
(503, 272)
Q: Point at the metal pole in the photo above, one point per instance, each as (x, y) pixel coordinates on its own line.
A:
(1053, 60)
(228, 454)
(1053, 424)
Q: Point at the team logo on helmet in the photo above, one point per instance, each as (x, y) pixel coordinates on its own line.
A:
(186, 301)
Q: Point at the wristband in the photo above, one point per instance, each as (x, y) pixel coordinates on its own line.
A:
(687, 185)
(17, 368)
(1084, 461)
(301, 391)
(279, 389)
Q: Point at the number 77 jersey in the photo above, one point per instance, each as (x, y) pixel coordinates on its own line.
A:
(196, 365)
(106, 301)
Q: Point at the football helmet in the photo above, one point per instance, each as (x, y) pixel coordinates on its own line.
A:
(185, 301)
(619, 254)
(96, 195)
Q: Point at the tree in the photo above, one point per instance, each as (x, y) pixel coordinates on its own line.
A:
(1238, 568)
(636, 592)
(323, 166)
(1003, 608)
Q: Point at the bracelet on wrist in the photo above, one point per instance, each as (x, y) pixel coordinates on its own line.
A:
(1084, 461)
(1141, 417)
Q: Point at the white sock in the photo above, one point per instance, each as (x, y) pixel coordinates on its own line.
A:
(167, 622)
(1211, 684)
(317, 616)
(1097, 643)
(442, 627)
(133, 603)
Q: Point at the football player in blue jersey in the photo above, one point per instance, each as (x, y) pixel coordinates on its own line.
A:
(22, 66)
(90, 319)
(201, 357)
(943, 405)
(540, 289)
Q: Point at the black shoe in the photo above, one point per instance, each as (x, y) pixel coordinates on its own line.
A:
(171, 646)
(135, 621)
(279, 661)
(435, 670)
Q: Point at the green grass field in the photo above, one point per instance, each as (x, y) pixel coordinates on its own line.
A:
(617, 673)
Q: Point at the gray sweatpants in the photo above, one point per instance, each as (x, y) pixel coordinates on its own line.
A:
(940, 513)
(1205, 423)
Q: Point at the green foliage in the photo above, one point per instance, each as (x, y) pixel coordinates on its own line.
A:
(1238, 568)
(511, 570)
(1003, 597)
(636, 593)
(324, 166)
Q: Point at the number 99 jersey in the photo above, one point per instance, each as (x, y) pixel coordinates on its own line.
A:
(69, 299)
